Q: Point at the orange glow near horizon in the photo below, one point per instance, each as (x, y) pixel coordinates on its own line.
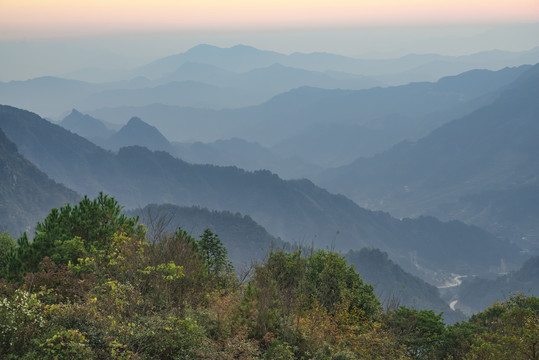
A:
(72, 17)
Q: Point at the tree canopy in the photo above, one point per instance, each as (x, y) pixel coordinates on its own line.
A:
(90, 287)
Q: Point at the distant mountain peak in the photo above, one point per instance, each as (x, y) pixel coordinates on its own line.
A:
(136, 121)
(137, 126)
(85, 125)
(138, 132)
(244, 47)
(202, 48)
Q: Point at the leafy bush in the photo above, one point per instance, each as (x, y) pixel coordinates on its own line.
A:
(66, 345)
(66, 286)
(507, 330)
(421, 332)
(167, 338)
(279, 351)
(20, 320)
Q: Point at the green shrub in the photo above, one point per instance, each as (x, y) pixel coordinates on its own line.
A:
(279, 351)
(21, 320)
(172, 337)
(66, 345)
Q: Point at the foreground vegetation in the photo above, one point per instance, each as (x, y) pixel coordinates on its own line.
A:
(90, 286)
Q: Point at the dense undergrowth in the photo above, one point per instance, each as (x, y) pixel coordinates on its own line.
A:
(90, 287)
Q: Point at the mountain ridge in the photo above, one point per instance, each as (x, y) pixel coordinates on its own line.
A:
(491, 149)
(295, 210)
(26, 193)
(138, 132)
(390, 115)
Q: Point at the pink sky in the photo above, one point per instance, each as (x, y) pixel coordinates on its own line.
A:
(38, 18)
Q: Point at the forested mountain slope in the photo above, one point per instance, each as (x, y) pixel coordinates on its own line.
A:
(26, 193)
(90, 287)
(451, 171)
(476, 294)
(244, 239)
(395, 287)
(297, 211)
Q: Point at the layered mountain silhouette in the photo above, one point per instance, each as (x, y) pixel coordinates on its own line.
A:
(85, 126)
(177, 93)
(48, 95)
(443, 155)
(246, 155)
(26, 193)
(297, 211)
(231, 152)
(330, 127)
(211, 77)
(137, 132)
(464, 169)
(413, 67)
(239, 58)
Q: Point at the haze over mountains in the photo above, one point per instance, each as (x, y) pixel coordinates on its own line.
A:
(212, 135)
(229, 152)
(343, 124)
(296, 211)
(245, 239)
(86, 126)
(211, 77)
(26, 193)
(462, 169)
(243, 58)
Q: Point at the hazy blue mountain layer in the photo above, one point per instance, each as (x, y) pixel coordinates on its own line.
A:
(26, 193)
(85, 125)
(137, 132)
(329, 127)
(462, 169)
(231, 152)
(297, 211)
(413, 67)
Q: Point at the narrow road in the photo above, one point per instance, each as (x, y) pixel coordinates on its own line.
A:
(456, 281)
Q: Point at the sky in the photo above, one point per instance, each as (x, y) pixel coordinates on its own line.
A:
(51, 37)
(38, 18)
